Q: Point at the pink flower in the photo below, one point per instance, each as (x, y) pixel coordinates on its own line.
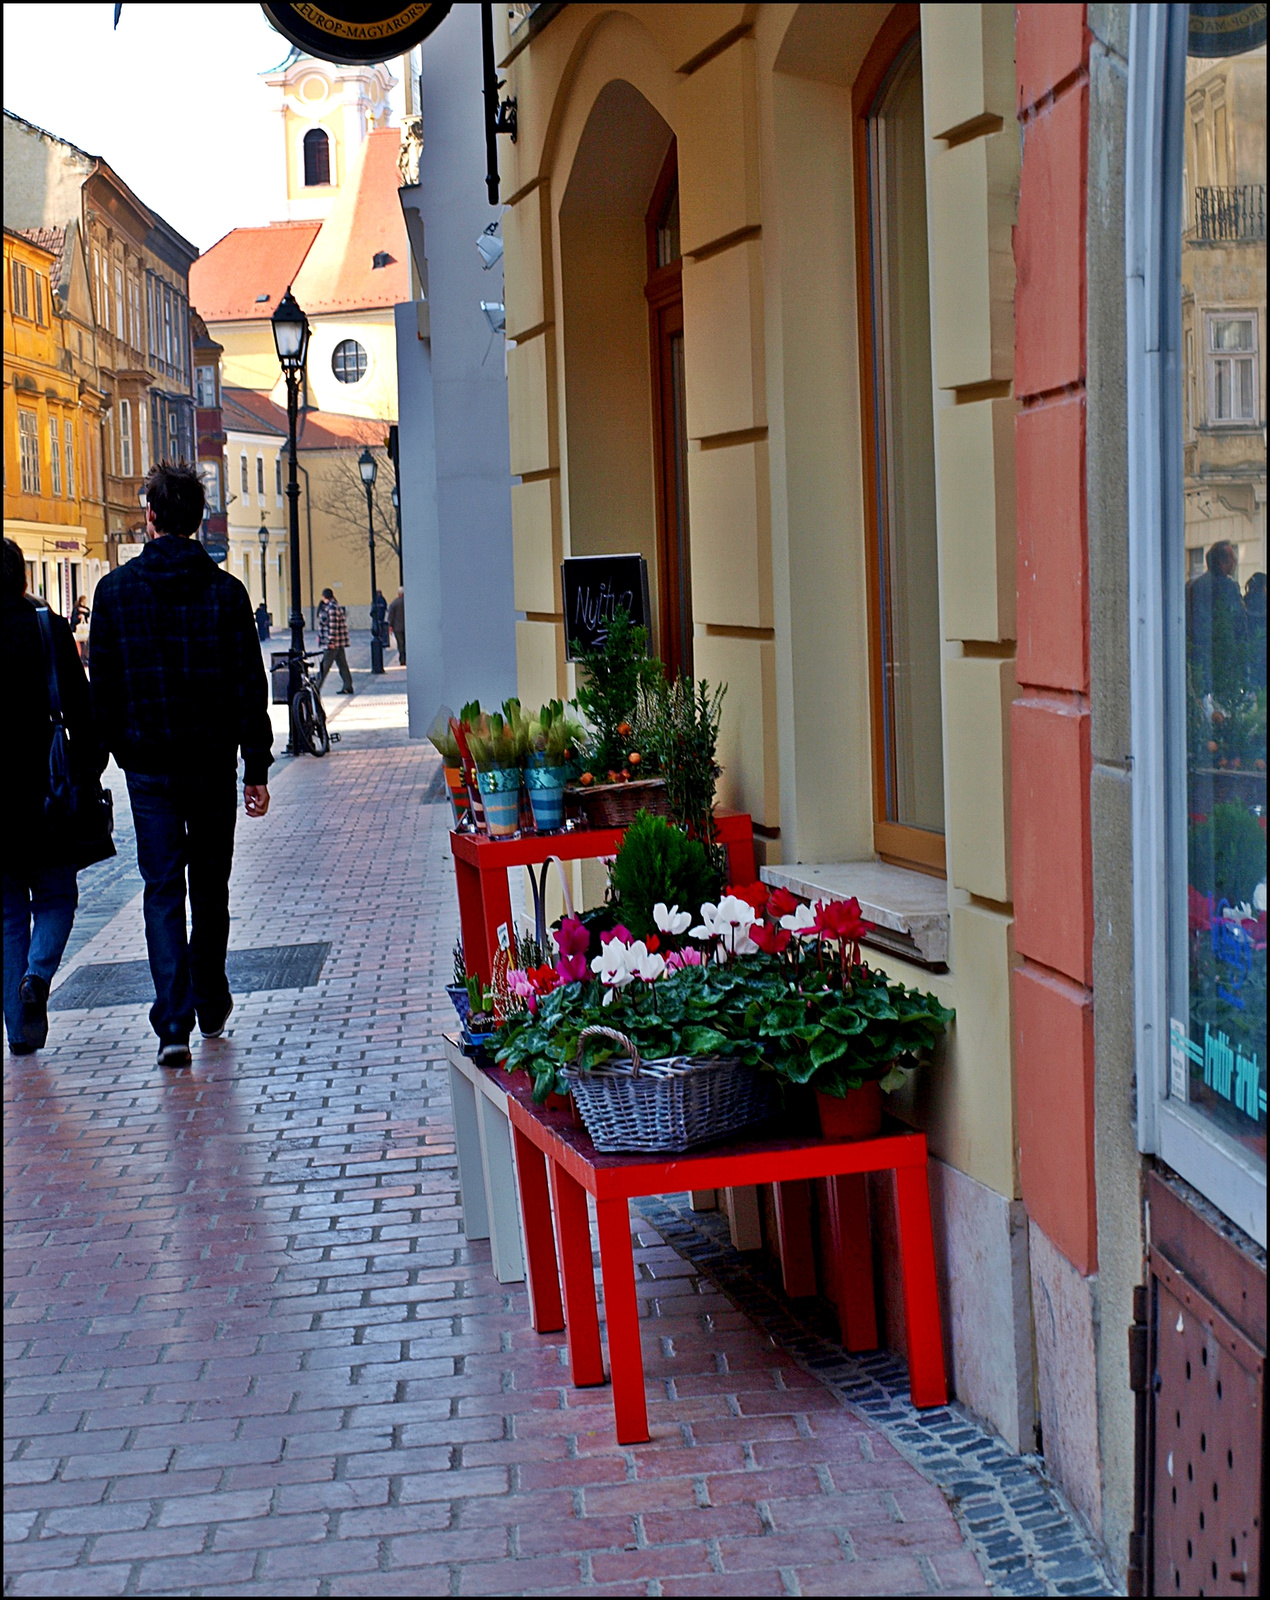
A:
(572, 969)
(621, 933)
(682, 958)
(572, 938)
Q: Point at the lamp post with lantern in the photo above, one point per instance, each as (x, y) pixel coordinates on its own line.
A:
(366, 466)
(263, 536)
(291, 338)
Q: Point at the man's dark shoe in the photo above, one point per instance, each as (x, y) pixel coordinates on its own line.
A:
(174, 1053)
(211, 1024)
(33, 992)
(20, 1047)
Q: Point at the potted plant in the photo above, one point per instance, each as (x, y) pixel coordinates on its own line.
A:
(620, 780)
(499, 747)
(829, 1021)
(554, 740)
(442, 739)
(457, 990)
(676, 725)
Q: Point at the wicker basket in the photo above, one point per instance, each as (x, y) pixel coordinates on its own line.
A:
(616, 805)
(666, 1105)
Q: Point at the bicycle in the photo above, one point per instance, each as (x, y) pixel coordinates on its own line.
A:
(308, 717)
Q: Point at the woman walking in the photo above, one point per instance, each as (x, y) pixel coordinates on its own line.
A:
(40, 864)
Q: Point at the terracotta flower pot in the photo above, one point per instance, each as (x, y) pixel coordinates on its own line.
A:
(855, 1115)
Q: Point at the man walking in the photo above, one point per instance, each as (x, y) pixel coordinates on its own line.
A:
(332, 622)
(178, 690)
(397, 622)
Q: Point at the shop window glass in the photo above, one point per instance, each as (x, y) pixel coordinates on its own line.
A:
(900, 459)
(1218, 947)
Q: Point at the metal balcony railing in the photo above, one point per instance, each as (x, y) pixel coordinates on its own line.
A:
(1226, 215)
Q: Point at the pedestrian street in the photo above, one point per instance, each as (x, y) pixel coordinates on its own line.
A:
(249, 1350)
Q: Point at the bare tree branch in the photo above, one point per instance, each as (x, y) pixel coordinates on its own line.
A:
(344, 494)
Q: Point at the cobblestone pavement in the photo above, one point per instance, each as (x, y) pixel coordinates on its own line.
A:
(250, 1352)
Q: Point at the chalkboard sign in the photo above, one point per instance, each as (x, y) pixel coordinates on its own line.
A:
(594, 587)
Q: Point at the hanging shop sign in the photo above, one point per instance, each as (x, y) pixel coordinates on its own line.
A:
(350, 33)
(1225, 30)
(594, 587)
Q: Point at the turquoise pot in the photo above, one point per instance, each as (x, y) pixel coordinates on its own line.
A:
(500, 794)
(546, 796)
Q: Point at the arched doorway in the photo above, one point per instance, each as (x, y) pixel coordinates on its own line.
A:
(622, 313)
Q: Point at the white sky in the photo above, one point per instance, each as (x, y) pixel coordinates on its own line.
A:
(172, 100)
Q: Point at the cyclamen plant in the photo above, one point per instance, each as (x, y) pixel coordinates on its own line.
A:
(762, 976)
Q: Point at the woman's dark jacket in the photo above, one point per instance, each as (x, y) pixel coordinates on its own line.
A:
(32, 842)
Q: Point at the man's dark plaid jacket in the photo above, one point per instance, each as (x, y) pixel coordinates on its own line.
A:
(177, 678)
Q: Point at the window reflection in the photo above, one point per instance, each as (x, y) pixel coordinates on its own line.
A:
(1219, 1026)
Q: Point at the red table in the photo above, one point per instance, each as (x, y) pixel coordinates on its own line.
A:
(558, 1166)
(481, 863)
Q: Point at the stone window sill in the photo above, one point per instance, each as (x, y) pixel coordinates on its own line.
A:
(909, 909)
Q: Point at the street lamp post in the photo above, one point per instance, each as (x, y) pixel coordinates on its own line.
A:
(366, 466)
(263, 536)
(291, 337)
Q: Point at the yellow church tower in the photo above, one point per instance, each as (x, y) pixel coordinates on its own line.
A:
(327, 113)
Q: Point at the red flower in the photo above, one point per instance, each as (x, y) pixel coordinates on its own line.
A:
(780, 903)
(754, 894)
(652, 943)
(841, 919)
(544, 978)
(773, 941)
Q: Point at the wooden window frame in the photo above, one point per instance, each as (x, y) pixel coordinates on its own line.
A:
(896, 842)
(323, 144)
(664, 292)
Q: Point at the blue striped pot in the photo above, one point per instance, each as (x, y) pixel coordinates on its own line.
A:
(546, 796)
(500, 793)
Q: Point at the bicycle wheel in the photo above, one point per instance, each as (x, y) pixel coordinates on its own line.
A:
(310, 722)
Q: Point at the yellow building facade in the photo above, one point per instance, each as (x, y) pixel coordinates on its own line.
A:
(53, 478)
(759, 289)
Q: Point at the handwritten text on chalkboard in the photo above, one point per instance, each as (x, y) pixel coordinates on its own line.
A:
(594, 588)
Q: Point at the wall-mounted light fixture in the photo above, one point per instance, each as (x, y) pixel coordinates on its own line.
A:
(490, 246)
(495, 314)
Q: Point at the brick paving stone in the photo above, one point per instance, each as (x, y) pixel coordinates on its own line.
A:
(251, 1352)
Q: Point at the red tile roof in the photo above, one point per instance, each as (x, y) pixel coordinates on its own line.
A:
(226, 283)
(250, 412)
(339, 272)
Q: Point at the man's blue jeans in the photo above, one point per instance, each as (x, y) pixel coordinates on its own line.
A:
(39, 913)
(185, 823)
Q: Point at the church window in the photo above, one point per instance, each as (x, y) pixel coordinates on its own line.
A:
(349, 362)
(242, 463)
(277, 477)
(317, 158)
(260, 478)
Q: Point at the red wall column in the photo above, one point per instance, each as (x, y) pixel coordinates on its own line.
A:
(1050, 746)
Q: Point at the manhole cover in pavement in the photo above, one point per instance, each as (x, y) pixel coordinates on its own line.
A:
(128, 983)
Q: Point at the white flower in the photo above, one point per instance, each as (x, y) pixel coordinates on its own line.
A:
(644, 963)
(709, 927)
(742, 944)
(1259, 896)
(612, 965)
(801, 922)
(734, 912)
(672, 921)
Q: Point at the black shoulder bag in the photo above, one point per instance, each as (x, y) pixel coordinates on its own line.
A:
(82, 815)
